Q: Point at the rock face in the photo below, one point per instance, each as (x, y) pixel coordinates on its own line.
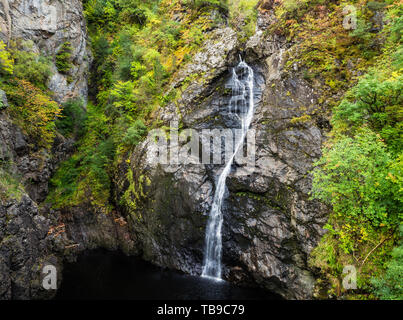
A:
(24, 250)
(270, 225)
(24, 244)
(50, 24)
(31, 237)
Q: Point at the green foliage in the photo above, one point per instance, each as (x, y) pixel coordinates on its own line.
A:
(294, 7)
(31, 107)
(135, 133)
(85, 177)
(243, 17)
(378, 102)
(6, 61)
(32, 110)
(72, 118)
(360, 174)
(30, 65)
(10, 187)
(198, 4)
(390, 285)
(356, 178)
(63, 58)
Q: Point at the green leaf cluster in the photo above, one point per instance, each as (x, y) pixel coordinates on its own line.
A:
(360, 176)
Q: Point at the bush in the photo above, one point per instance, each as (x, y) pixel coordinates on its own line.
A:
(221, 5)
(390, 285)
(377, 101)
(135, 133)
(72, 118)
(295, 8)
(33, 111)
(31, 66)
(6, 61)
(356, 177)
(63, 58)
(85, 176)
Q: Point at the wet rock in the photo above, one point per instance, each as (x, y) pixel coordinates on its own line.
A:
(270, 224)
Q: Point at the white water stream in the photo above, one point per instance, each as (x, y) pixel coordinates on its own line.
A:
(242, 102)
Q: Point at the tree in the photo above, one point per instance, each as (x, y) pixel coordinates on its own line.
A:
(390, 285)
(373, 100)
(358, 177)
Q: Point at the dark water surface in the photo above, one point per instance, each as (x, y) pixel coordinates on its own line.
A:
(112, 275)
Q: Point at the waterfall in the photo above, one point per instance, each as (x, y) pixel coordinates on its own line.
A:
(242, 103)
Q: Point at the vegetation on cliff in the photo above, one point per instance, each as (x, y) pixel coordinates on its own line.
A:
(24, 75)
(360, 172)
(139, 47)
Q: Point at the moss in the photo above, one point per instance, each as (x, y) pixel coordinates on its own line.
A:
(135, 193)
(10, 186)
(303, 119)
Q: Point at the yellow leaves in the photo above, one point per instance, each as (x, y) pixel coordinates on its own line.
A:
(392, 177)
(33, 111)
(394, 75)
(6, 61)
(303, 119)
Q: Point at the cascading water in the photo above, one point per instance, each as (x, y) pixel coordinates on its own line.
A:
(241, 102)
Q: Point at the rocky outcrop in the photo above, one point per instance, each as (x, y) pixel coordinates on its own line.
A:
(31, 235)
(51, 24)
(33, 167)
(270, 224)
(24, 250)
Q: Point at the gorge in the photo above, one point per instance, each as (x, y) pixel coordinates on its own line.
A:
(84, 84)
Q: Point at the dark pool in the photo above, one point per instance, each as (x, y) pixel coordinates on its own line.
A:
(112, 275)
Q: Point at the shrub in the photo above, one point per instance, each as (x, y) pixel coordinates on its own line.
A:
(63, 58)
(31, 66)
(295, 8)
(10, 187)
(6, 61)
(72, 118)
(390, 285)
(377, 101)
(221, 5)
(33, 111)
(356, 177)
(243, 16)
(135, 133)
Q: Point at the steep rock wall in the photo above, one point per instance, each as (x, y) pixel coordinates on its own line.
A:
(270, 224)
(50, 24)
(32, 235)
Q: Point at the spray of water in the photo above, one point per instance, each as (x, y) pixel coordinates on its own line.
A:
(242, 103)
